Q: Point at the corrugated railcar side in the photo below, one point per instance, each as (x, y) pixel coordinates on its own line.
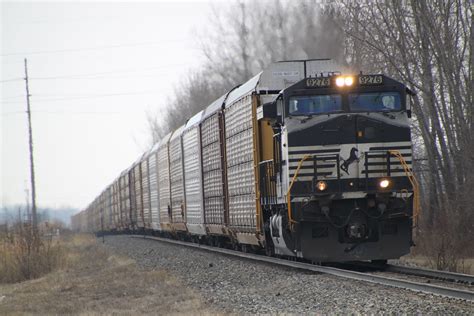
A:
(241, 149)
(138, 215)
(145, 192)
(153, 180)
(192, 164)
(213, 168)
(164, 185)
(178, 207)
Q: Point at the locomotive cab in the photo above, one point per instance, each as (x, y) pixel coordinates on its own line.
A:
(341, 186)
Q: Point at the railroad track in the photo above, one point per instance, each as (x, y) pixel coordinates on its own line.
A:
(425, 273)
(435, 274)
(350, 274)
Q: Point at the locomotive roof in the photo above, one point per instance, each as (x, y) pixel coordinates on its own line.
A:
(280, 75)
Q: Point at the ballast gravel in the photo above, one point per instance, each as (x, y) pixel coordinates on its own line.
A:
(240, 286)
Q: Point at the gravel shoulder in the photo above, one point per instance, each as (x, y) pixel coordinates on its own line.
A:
(239, 286)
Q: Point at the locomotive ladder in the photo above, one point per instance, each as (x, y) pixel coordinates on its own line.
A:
(414, 184)
(288, 193)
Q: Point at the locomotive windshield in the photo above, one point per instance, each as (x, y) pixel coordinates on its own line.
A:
(315, 104)
(375, 101)
(357, 102)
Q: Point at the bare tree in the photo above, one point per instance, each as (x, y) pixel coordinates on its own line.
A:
(197, 91)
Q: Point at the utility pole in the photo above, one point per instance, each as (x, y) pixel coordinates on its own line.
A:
(28, 211)
(102, 224)
(32, 166)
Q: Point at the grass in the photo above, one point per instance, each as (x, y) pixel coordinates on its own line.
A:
(465, 266)
(23, 257)
(444, 247)
(94, 281)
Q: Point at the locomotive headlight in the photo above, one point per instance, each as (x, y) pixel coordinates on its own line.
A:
(321, 185)
(340, 81)
(344, 81)
(348, 81)
(384, 183)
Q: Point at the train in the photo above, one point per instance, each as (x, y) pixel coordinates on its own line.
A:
(300, 161)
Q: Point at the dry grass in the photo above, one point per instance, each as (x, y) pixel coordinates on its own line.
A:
(463, 265)
(443, 245)
(93, 281)
(23, 257)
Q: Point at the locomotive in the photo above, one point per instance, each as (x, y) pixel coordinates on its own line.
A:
(299, 161)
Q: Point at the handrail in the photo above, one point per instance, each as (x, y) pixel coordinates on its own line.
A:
(414, 184)
(288, 193)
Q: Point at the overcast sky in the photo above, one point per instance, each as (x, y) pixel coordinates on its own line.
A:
(95, 70)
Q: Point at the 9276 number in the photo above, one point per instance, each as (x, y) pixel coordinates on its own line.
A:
(317, 82)
(368, 80)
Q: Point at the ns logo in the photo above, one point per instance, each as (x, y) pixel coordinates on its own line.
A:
(353, 157)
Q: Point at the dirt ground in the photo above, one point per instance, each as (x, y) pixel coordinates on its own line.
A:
(94, 281)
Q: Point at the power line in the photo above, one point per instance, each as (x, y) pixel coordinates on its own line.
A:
(13, 97)
(63, 112)
(11, 113)
(91, 48)
(13, 79)
(113, 77)
(96, 96)
(84, 76)
(86, 97)
(80, 112)
(92, 95)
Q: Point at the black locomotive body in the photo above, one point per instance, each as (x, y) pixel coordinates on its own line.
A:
(341, 186)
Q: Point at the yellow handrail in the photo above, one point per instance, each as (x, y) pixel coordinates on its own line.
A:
(414, 184)
(288, 193)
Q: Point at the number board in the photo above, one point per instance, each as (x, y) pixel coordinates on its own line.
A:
(317, 82)
(370, 79)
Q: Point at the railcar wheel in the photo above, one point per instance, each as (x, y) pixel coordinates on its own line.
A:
(269, 250)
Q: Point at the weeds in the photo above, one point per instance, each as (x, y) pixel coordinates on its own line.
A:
(25, 255)
(446, 246)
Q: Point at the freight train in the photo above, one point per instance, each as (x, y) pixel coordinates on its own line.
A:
(299, 161)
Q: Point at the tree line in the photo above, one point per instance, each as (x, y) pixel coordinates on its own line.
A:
(428, 45)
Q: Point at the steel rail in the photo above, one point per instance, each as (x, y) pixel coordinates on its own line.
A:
(435, 274)
(416, 271)
(349, 274)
